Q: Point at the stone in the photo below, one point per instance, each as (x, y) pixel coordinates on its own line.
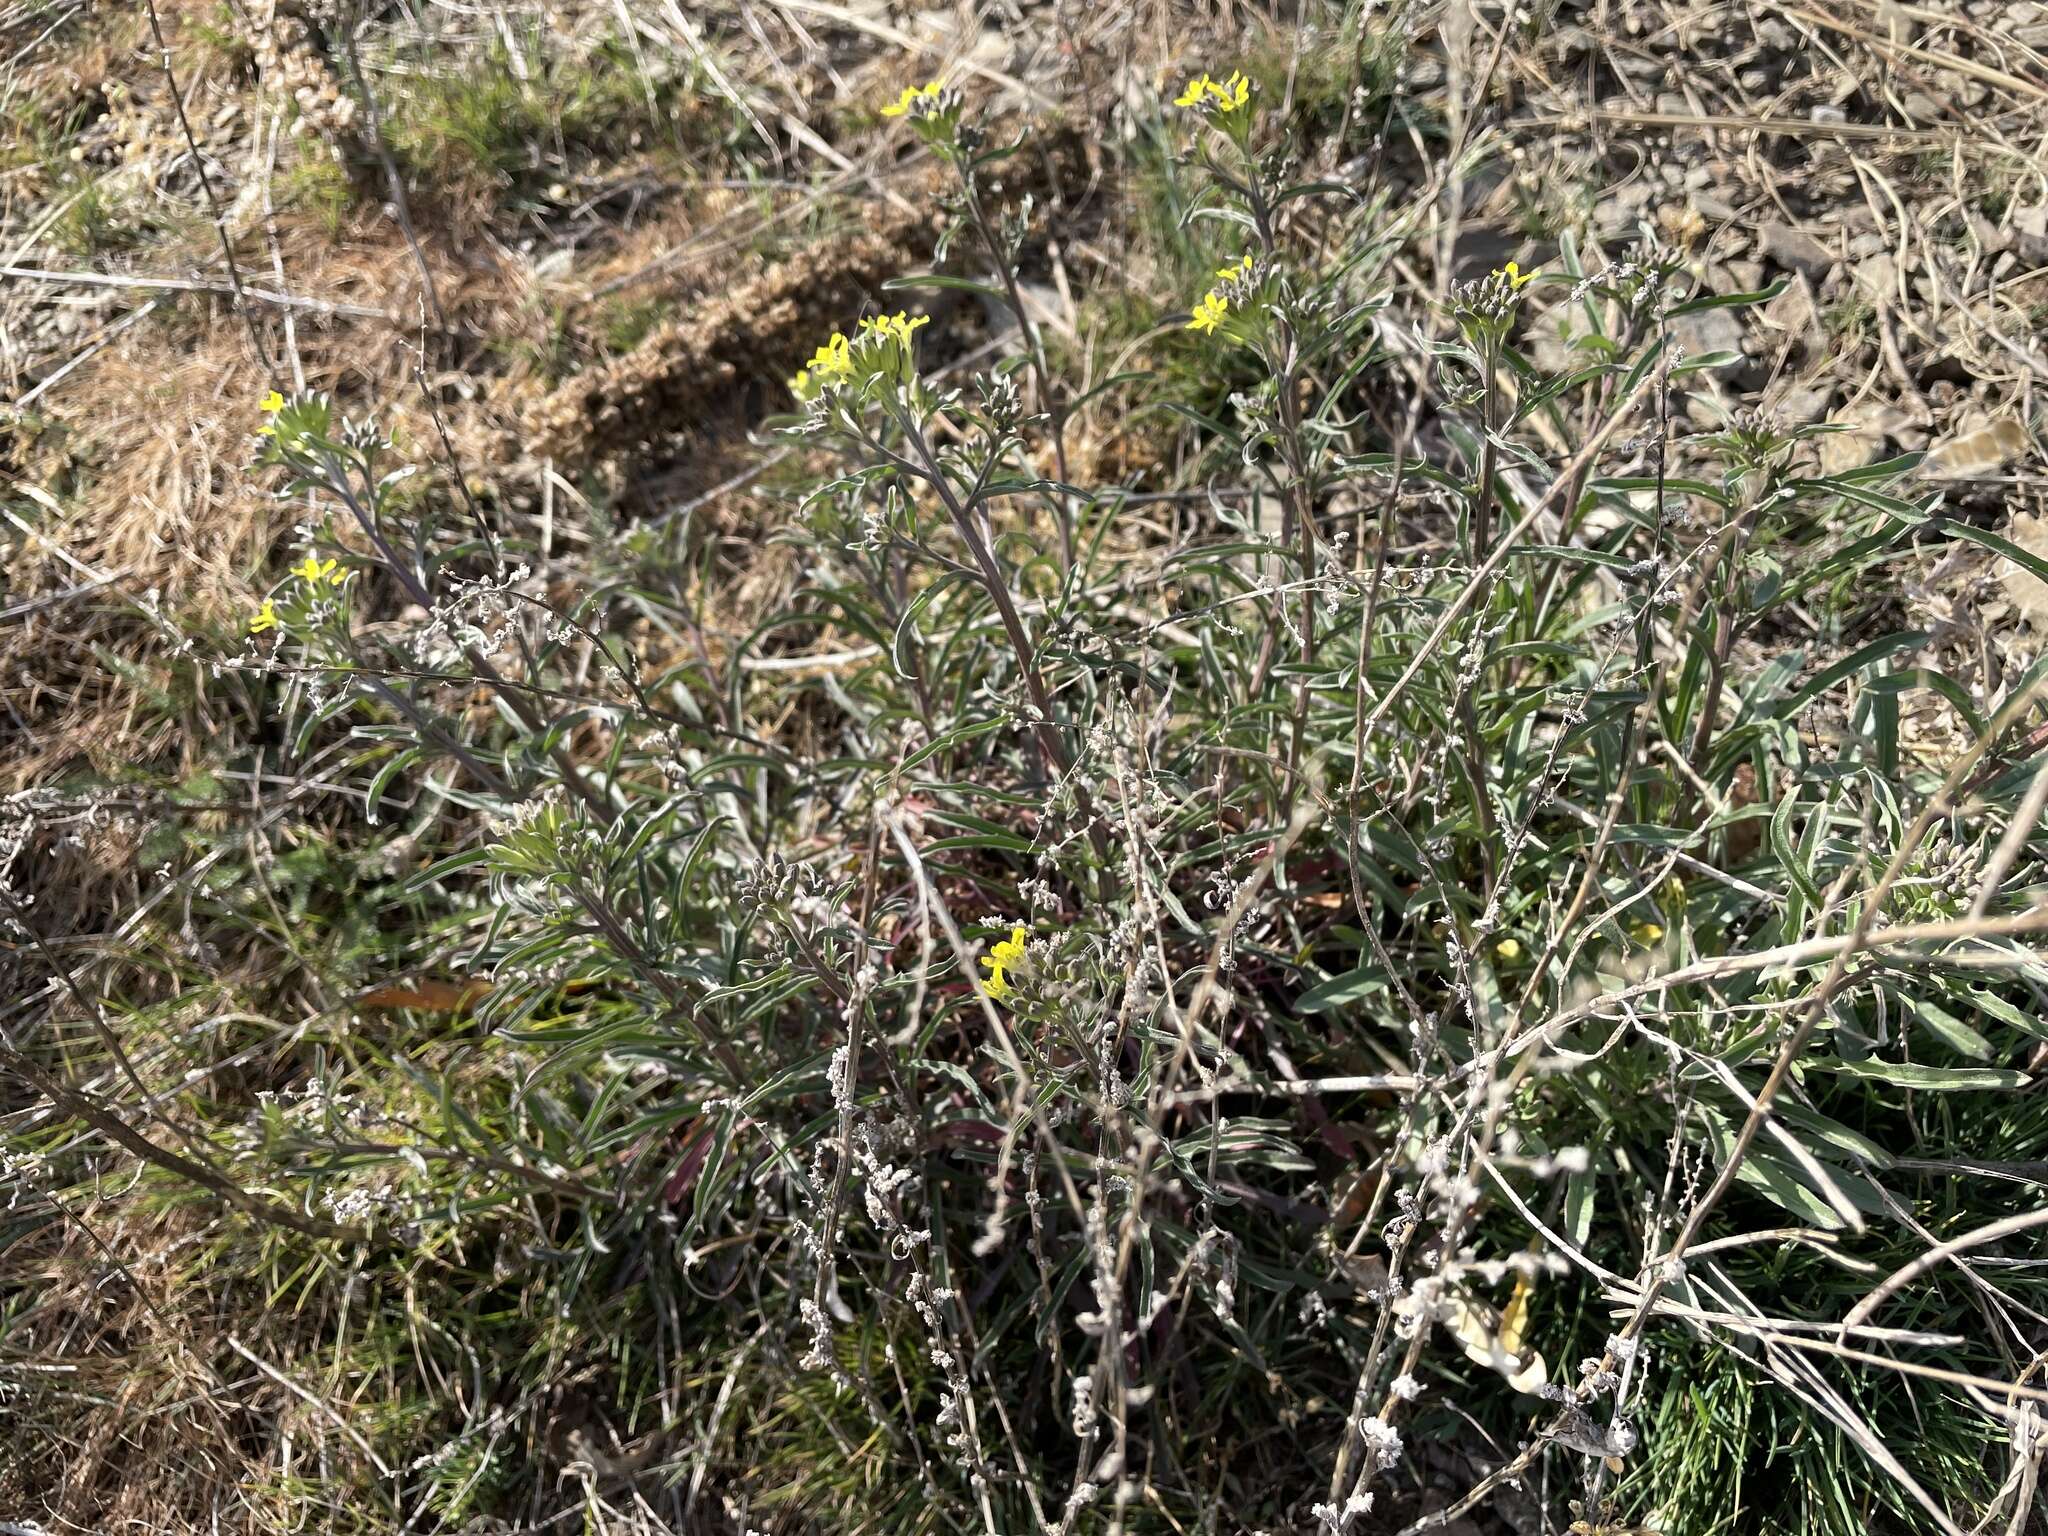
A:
(2029, 227)
(1896, 22)
(1876, 277)
(1795, 249)
(1794, 316)
(1978, 446)
(1867, 427)
(1849, 449)
(1804, 402)
(1708, 330)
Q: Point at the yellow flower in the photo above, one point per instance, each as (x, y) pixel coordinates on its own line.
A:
(1226, 96)
(832, 363)
(1232, 93)
(1509, 949)
(271, 403)
(834, 360)
(1237, 273)
(1648, 933)
(266, 618)
(896, 327)
(1209, 313)
(1005, 954)
(911, 93)
(1517, 278)
(316, 571)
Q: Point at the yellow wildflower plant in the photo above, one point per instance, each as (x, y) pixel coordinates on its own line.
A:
(314, 571)
(266, 618)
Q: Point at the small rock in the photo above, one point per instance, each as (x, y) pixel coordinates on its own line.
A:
(1841, 452)
(1866, 428)
(2029, 228)
(2028, 592)
(1794, 315)
(1876, 277)
(1804, 402)
(1710, 331)
(1796, 249)
(1979, 447)
(1895, 22)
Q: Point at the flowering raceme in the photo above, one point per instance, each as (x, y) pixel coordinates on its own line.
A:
(881, 348)
(912, 95)
(1209, 95)
(1234, 283)
(314, 571)
(933, 110)
(1006, 953)
(830, 364)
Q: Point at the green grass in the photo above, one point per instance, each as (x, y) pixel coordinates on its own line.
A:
(518, 122)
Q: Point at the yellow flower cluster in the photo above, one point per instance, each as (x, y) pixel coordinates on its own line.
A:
(313, 572)
(1226, 96)
(912, 94)
(897, 327)
(266, 618)
(1007, 952)
(1517, 278)
(1215, 304)
(830, 364)
(840, 361)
